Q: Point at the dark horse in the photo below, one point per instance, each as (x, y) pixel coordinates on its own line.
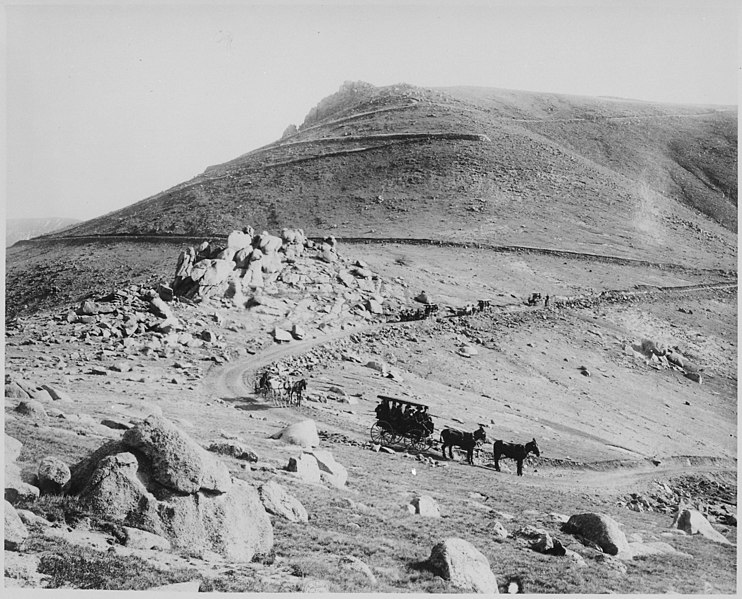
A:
(467, 441)
(515, 452)
(296, 391)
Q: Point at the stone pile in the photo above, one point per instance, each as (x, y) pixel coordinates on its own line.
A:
(666, 497)
(657, 356)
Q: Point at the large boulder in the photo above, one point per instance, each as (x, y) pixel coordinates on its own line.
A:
(302, 433)
(269, 244)
(52, 475)
(277, 501)
(233, 524)
(271, 262)
(331, 471)
(178, 462)
(306, 468)
(238, 240)
(31, 409)
(16, 490)
(464, 565)
(122, 488)
(17, 390)
(12, 448)
(15, 531)
(115, 490)
(293, 236)
(217, 272)
(694, 523)
(599, 529)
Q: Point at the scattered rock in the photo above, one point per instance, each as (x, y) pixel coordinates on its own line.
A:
(529, 532)
(52, 475)
(352, 563)
(653, 548)
(15, 391)
(499, 531)
(379, 367)
(695, 377)
(116, 424)
(303, 434)
(463, 565)
(22, 569)
(281, 335)
(141, 539)
(32, 409)
(331, 471)
(31, 519)
(425, 506)
(279, 502)
(543, 543)
(575, 557)
(55, 393)
(600, 529)
(15, 531)
(306, 468)
(233, 449)
(12, 448)
(694, 523)
(467, 351)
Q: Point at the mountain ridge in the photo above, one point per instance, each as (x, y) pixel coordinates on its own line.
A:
(469, 163)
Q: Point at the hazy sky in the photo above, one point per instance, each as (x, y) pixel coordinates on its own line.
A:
(110, 103)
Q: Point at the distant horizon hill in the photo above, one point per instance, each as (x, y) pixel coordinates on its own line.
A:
(20, 229)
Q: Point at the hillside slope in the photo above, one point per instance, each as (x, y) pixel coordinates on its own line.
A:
(469, 164)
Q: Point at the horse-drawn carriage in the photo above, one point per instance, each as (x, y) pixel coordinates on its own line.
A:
(402, 422)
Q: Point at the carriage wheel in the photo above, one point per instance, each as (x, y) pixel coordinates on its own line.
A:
(382, 433)
(418, 439)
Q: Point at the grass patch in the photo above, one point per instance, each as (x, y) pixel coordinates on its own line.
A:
(84, 568)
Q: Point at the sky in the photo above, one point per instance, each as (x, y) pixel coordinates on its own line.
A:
(113, 102)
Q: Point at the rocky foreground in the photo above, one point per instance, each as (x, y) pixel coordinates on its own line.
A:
(106, 460)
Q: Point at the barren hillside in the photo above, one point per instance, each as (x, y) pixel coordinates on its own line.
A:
(484, 165)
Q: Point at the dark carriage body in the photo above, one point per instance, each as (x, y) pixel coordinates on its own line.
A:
(399, 421)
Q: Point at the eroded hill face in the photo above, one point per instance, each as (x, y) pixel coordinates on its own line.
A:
(468, 164)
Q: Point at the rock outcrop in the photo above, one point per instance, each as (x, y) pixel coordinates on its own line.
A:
(178, 462)
(159, 480)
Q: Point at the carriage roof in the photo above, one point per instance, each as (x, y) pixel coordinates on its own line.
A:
(402, 401)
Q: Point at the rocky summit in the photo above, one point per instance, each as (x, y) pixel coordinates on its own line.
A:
(242, 383)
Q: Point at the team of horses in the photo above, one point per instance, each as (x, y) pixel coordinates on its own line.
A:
(470, 441)
(282, 391)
